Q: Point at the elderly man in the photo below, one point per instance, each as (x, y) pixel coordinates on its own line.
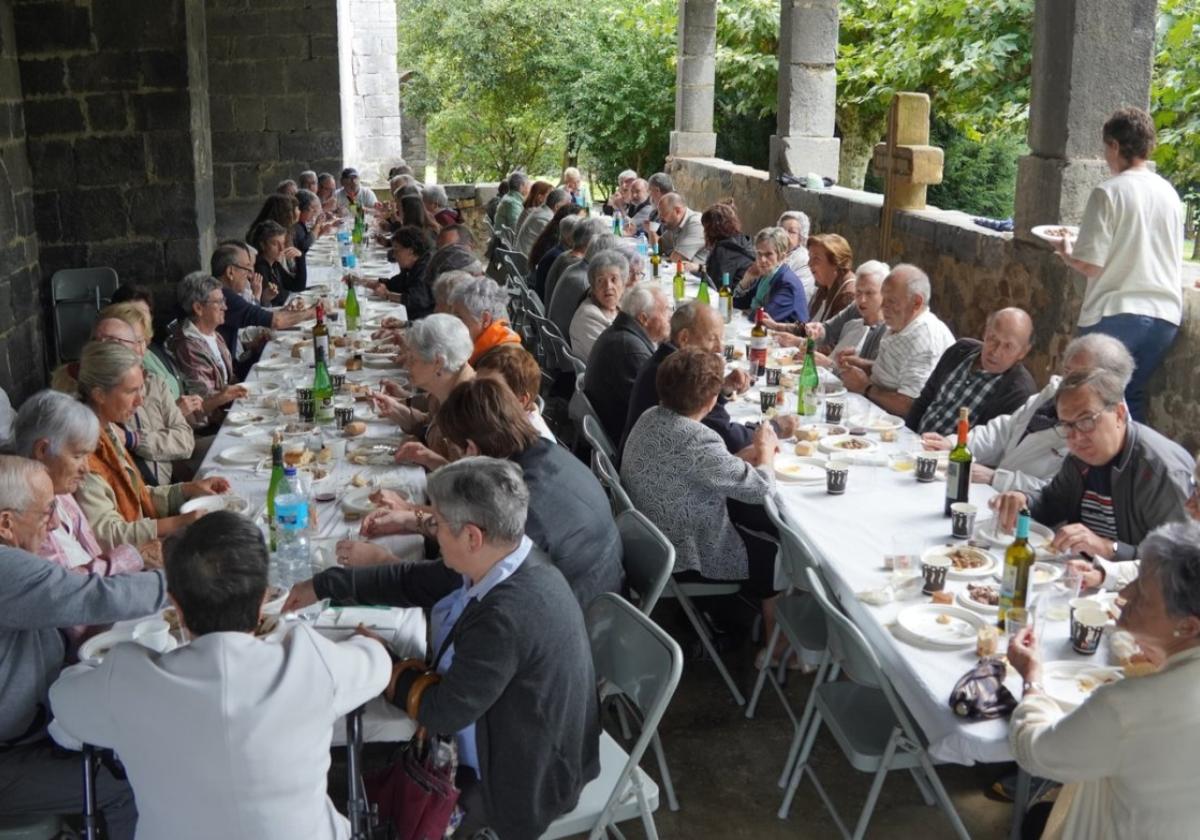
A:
(701, 326)
(327, 192)
(261, 711)
(308, 180)
(538, 218)
(38, 600)
(660, 184)
(435, 201)
(572, 182)
(643, 322)
(1021, 451)
(1120, 481)
(483, 306)
(682, 236)
(508, 211)
(986, 378)
(507, 634)
(353, 194)
(619, 198)
(231, 264)
(915, 340)
(638, 208)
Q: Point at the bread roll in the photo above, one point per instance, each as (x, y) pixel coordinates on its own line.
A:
(943, 597)
(804, 448)
(288, 407)
(355, 428)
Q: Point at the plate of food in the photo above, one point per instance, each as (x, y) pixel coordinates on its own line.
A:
(1040, 536)
(1044, 574)
(833, 388)
(275, 364)
(261, 389)
(815, 431)
(966, 561)
(878, 422)
(847, 444)
(1055, 233)
(1070, 682)
(981, 597)
(241, 456)
(799, 470)
(211, 504)
(941, 625)
(375, 452)
(358, 501)
(379, 360)
(249, 417)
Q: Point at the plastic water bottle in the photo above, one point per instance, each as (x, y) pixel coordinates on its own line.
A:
(293, 556)
(643, 247)
(346, 249)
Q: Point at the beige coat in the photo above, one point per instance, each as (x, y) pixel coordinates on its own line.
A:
(99, 504)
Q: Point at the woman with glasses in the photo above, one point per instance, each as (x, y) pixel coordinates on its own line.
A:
(200, 353)
(1120, 481)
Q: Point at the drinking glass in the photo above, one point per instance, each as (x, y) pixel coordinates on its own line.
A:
(1062, 592)
(1016, 619)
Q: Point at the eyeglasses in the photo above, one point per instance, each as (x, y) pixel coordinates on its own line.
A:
(1085, 425)
(219, 302)
(243, 268)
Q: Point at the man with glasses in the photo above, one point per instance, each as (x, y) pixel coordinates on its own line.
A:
(1120, 481)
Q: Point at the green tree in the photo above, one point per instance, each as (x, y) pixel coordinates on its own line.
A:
(1175, 101)
(747, 73)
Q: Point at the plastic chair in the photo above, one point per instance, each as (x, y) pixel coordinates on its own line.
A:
(77, 295)
(869, 722)
(517, 262)
(595, 436)
(611, 481)
(633, 656)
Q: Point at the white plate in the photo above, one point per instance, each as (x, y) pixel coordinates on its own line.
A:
(244, 416)
(991, 564)
(798, 469)
(373, 451)
(878, 422)
(1039, 535)
(1044, 232)
(261, 388)
(967, 601)
(832, 389)
(210, 504)
(832, 445)
(243, 455)
(823, 429)
(278, 363)
(379, 360)
(1070, 682)
(358, 501)
(93, 651)
(1045, 574)
(921, 622)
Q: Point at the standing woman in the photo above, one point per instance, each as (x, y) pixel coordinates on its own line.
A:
(1130, 249)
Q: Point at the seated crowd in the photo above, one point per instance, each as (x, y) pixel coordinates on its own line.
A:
(518, 533)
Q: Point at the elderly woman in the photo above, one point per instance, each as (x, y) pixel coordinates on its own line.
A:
(61, 433)
(483, 306)
(679, 473)
(772, 286)
(798, 226)
(521, 372)
(583, 236)
(608, 274)
(120, 507)
(730, 252)
(444, 288)
(411, 248)
(564, 295)
(572, 182)
(270, 240)
(1130, 752)
(200, 353)
(832, 264)
(855, 331)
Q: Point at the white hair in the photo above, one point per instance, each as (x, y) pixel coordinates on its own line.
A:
(610, 258)
(447, 282)
(637, 263)
(435, 194)
(566, 230)
(58, 419)
(481, 295)
(441, 338)
(16, 482)
(915, 281)
(876, 270)
(195, 288)
(572, 173)
(587, 230)
(1106, 352)
(601, 242)
(801, 219)
(626, 175)
(642, 299)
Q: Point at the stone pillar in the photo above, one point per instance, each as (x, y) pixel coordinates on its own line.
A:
(1090, 57)
(695, 80)
(808, 39)
(371, 90)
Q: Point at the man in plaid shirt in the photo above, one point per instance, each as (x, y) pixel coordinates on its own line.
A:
(915, 340)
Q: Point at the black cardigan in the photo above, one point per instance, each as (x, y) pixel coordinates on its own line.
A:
(617, 356)
(732, 255)
(1016, 385)
(522, 673)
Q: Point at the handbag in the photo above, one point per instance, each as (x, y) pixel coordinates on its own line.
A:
(980, 693)
(417, 796)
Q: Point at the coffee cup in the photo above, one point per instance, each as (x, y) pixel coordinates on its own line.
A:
(773, 374)
(768, 398)
(153, 633)
(834, 410)
(836, 475)
(934, 572)
(962, 520)
(1087, 628)
(926, 467)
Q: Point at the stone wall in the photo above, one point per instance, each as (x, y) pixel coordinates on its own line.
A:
(22, 365)
(973, 270)
(373, 138)
(413, 140)
(115, 119)
(273, 99)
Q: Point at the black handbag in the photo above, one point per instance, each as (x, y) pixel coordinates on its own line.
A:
(980, 693)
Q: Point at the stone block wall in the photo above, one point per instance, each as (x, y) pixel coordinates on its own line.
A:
(22, 364)
(373, 88)
(973, 272)
(273, 99)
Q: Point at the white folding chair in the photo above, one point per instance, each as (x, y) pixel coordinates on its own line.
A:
(634, 656)
(869, 722)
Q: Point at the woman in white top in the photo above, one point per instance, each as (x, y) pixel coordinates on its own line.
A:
(608, 272)
(1130, 248)
(1130, 753)
(798, 226)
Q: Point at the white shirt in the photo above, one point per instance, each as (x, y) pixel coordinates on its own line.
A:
(227, 736)
(1130, 755)
(1023, 460)
(586, 325)
(907, 358)
(1133, 227)
(539, 423)
(365, 197)
(215, 350)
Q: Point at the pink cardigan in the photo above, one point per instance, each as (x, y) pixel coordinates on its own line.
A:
(123, 558)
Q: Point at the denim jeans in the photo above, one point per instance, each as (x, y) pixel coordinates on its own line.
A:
(1148, 340)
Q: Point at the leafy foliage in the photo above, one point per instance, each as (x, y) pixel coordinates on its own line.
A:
(1175, 95)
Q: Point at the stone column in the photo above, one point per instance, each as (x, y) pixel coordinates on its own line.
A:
(695, 77)
(808, 39)
(371, 124)
(1090, 57)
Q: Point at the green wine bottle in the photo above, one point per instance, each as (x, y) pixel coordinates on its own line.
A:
(678, 283)
(702, 295)
(1018, 565)
(810, 382)
(322, 384)
(275, 483)
(352, 310)
(958, 470)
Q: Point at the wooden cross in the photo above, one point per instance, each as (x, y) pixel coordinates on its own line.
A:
(906, 162)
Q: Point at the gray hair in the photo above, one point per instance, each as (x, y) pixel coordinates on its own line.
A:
(517, 179)
(641, 299)
(637, 263)
(16, 481)
(286, 184)
(915, 280)
(604, 260)
(489, 493)
(56, 418)
(1106, 353)
(447, 282)
(627, 175)
(435, 195)
(587, 230)
(441, 338)
(225, 256)
(1174, 551)
(685, 315)
(556, 198)
(401, 181)
(1103, 383)
(873, 269)
(308, 174)
(195, 288)
(103, 364)
(306, 199)
(777, 237)
(662, 182)
(801, 219)
(480, 295)
(601, 242)
(566, 230)
(673, 200)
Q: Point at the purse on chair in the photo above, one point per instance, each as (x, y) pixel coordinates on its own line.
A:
(417, 794)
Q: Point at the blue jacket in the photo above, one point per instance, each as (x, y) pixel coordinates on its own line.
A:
(786, 301)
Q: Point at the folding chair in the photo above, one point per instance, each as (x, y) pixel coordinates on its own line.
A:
(868, 720)
(364, 817)
(594, 434)
(634, 656)
(77, 295)
(91, 814)
(607, 473)
(518, 263)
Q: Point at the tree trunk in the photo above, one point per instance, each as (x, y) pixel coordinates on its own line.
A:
(859, 135)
